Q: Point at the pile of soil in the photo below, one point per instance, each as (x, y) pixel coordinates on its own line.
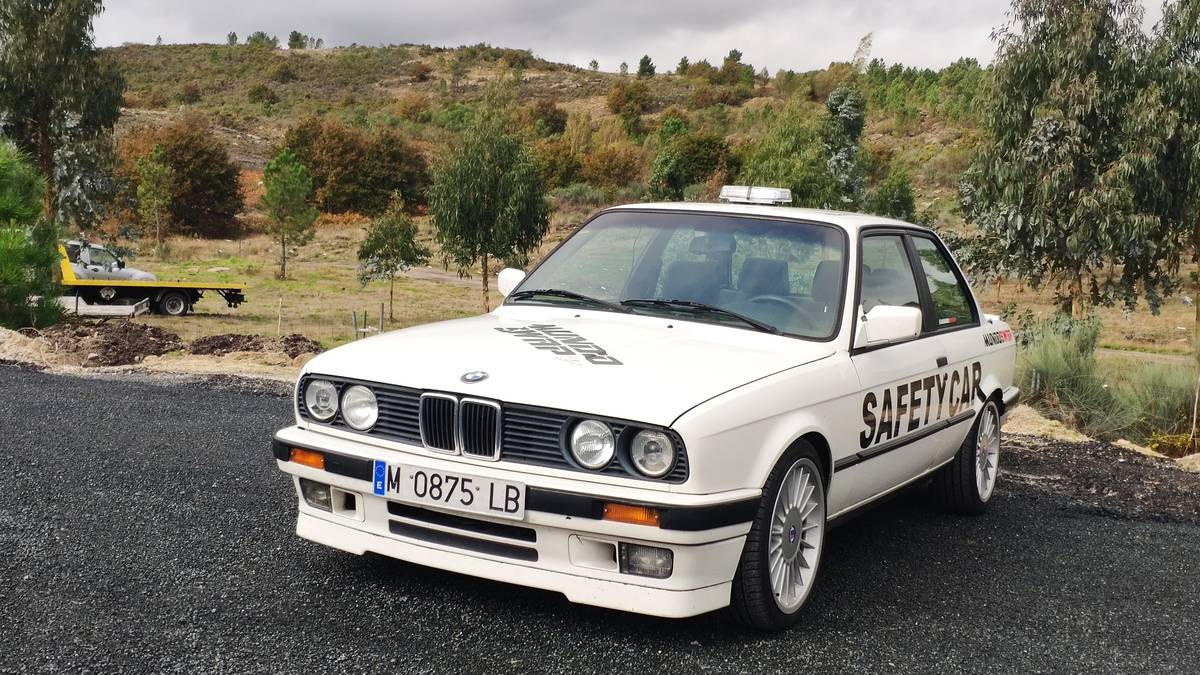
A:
(1107, 478)
(219, 345)
(117, 343)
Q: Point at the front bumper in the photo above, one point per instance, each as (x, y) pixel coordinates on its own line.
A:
(562, 545)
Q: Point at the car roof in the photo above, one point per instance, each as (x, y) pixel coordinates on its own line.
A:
(851, 222)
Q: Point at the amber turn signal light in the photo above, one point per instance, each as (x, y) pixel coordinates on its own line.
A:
(628, 513)
(308, 458)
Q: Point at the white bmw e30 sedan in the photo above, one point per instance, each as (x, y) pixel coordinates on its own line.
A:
(666, 413)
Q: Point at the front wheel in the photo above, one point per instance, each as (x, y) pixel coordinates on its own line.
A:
(966, 484)
(783, 549)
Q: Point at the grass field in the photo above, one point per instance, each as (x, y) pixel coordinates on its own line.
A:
(318, 297)
(322, 291)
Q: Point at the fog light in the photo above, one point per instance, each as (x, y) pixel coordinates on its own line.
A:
(646, 561)
(316, 494)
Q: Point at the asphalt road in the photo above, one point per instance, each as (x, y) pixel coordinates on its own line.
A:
(144, 527)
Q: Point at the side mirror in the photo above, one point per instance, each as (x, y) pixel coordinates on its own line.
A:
(508, 279)
(886, 324)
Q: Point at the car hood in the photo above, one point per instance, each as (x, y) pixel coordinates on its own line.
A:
(638, 368)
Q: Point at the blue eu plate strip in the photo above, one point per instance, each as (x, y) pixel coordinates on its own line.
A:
(380, 476)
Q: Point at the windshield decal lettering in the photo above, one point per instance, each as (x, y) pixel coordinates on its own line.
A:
(906, 407)
(560, 341)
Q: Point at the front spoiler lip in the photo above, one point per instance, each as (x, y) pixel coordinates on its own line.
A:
(576, 505)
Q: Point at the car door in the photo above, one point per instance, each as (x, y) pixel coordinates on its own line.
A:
(953, 323)
(903, 385)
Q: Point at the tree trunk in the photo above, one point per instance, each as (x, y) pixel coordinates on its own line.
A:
(46, 162)
(1076, 291)
(392, 298)
(487, 299)
(282, 253)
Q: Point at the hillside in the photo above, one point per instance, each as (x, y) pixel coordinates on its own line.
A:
(254, 94)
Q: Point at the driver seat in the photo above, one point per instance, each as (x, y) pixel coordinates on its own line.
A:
(764, 276)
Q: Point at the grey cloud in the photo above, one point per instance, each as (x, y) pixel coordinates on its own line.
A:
(801, 34)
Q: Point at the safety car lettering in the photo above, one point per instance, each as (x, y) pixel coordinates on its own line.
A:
(563, 342)
(906, 407)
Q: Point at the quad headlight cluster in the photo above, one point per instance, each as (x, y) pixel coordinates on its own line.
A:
(593, 445)
(358, 405)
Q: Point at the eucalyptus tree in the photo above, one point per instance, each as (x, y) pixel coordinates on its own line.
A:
(55, 90)
(488, 200)
(1073, 184)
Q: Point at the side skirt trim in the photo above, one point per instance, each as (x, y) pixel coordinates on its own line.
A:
(858, 458)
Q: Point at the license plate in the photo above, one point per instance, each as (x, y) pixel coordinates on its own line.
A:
(453, 491)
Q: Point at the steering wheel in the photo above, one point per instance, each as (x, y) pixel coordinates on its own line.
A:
(804, 313)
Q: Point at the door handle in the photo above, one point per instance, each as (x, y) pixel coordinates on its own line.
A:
(942, 361)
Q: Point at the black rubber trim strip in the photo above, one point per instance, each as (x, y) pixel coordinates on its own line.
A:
(462, 523)
(858, 458)
(462, 541)
(681, 518)
(343, 465)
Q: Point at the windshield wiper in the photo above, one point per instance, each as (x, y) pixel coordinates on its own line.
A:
(570, 295)
(689, 305)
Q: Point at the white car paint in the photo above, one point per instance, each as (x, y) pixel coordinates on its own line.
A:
(737, 398)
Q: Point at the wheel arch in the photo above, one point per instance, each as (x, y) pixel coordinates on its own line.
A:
(824, 453)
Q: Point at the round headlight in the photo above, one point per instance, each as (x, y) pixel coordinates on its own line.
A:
(320, 397)
(359, 408)
(593, 444)
(652, 453)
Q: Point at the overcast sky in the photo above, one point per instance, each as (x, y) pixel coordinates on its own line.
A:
(797, 34)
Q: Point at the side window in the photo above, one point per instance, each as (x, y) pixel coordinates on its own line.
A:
(885, 273)
(951, 301)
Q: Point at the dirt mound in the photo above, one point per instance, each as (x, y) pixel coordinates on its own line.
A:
(219, 345)
(118, 343)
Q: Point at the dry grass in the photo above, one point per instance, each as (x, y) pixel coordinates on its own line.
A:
(316, 300)
(1170, 331)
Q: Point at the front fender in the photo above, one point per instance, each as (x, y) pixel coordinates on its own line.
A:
(736, 438)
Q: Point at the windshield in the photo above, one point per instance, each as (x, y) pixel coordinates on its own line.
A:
(784, 275)
(100, 256)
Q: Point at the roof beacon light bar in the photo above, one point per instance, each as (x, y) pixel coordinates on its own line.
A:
(753, 194)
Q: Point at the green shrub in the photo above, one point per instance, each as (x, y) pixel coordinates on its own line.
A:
(261, 93)
(559, 164)
(1162, 395)
(352, 170)
(1058, 374)
(688, 158)
(27, 246)
(580, 196)
(629, 95)
(613, 165)
(547, 118)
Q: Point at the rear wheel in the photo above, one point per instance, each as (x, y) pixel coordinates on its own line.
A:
(783, 550)
(173, 303)
(966, 484)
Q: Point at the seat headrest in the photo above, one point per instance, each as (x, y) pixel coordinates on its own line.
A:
(698, 281)
(764, 276)
(827, 282)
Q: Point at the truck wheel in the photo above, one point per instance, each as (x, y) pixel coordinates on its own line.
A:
(966, 484)
(173, 303)
(783, 549)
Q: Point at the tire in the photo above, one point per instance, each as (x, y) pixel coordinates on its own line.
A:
(967, 483)
(754, 601)
(173, 303)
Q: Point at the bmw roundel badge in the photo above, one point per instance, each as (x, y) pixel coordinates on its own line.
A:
(474, 376)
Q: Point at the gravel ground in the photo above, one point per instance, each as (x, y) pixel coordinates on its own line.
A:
(143, 527)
